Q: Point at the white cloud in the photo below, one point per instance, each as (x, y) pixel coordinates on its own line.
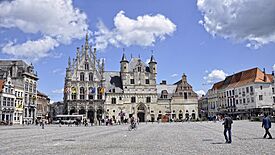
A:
(143, 31)
(58, 91)
(32, 50)
(273, 67)
(215, 75)
(174, 75)
(249, 21)
(57, 21)
(200, 92)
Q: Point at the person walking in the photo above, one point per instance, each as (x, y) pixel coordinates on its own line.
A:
(227, 128)
(266, 125)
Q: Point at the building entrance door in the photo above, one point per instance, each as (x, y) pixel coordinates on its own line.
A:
(141, 116)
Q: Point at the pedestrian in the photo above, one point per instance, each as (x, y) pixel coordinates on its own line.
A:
(267, 125)
(227, 128)
(42, 124)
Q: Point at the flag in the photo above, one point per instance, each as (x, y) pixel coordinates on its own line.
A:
(92, 90)
(68, 89)
(73, 90)
(101, 90)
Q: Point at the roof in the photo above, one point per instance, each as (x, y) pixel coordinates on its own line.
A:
(2, 83)
(170, 89)
(113, 81)
(136, 61)
(254, 75)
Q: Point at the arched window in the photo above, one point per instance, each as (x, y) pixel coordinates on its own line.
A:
(91, 76)
(86, 66)
(82, 93)
(82, 76)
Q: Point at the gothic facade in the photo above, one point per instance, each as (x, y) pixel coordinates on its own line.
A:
(132, 91)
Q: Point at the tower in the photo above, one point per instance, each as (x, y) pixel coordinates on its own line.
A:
(124, 64)
(153, 65)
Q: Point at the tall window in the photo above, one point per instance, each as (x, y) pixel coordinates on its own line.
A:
(273, 99)
(113, 100)
(247, 90)
(251, 89)
(273, 90)
(86, 66)
(91, 76)
(132, 81)
(139, 69)
(148, 99)
(73, 96)
(133, 99)
(4, 101)
(82, 93)
(82, 76)
(30, 88)
(147, 81)
(260, 97)
(34, 87)
(26, 86)
(185, 95)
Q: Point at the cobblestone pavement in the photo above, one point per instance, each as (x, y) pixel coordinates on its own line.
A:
(161, 139)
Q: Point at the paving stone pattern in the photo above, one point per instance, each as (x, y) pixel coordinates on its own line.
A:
(148, 139)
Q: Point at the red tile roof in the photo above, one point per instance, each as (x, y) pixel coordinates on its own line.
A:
(253, 75)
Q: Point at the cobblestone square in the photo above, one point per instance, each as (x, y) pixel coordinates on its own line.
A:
(163, 138)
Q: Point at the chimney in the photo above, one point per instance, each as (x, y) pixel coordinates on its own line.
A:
(163, 82)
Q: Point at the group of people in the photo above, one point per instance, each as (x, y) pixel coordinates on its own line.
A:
(266, 124)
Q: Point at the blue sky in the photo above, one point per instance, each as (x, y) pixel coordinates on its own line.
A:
(197, 38)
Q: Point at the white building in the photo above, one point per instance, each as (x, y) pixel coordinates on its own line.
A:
(24, 79)
(247, 93)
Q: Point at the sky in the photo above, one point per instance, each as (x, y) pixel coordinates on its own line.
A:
(205, 39)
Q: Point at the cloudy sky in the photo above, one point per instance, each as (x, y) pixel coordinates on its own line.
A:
(205, 39)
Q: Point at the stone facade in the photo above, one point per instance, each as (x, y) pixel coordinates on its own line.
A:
(95, 93)
(24, 80)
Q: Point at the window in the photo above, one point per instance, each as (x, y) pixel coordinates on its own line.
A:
(273, 90)
(261, 87)
(133, 99)
(12, 101)
(185, 95)
(247, 89)
(4, 101)
(260, 97)
(91, 76)
(113, 100)
(164, 94)
(147, 81)
(139, 69)
(230, 93)
(248, 100)
(82, 76)
(91, 97)
(30, 88)
(251, 89)
(8, 101)
(240, 101)
(82, 93)
(273, 99)
(244, 100)
(120, 98)
(148, 99)
(252, 99)
(86, 66)
(114, 90)
(132, 81)
(26, 86)
(99, 97)
(237, 101)
(233, 92)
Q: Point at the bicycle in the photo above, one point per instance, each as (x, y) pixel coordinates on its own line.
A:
(132, 127)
